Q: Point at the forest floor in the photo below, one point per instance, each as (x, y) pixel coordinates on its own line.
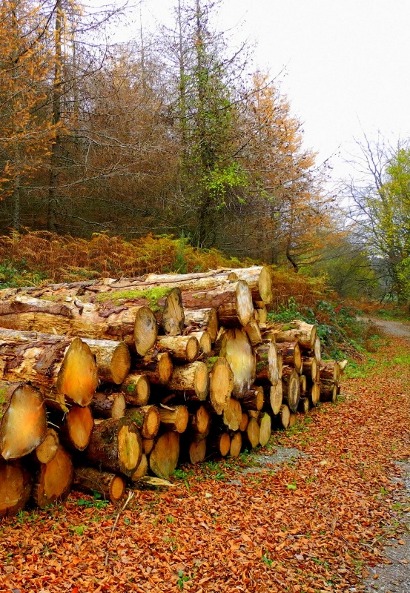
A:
(310, 513)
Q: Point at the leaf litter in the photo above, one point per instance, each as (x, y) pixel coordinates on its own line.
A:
(313, 524)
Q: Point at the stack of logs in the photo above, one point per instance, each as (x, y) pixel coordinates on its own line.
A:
(105, 381)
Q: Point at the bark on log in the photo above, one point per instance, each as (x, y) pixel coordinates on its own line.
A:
(164, 456)
(113, 359)
(204, 340)
(157, 366)
(329, 371)
(181, 348)
(283, 418)
(267, 369)
(297, 330)
(304, 405)
(108, 485)
(54, 479)
(115, 445)
(108, 405)
(192, 379)
(259, 279)
(328, 391)
(291, 354)
(174, 418)
(235, 347)
(147, 419)
(23, 420)
(219, 444)
(15, 487)
(172, 317)
(136, 387)
(202, 319)
(232, 301)
(117, 319)
(50, 363)
(199, 423)
(253, 332)
(253, 399)
(221, 384)
(311, 368)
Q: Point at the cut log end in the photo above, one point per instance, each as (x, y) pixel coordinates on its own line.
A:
(164, 456)
(145, 330)
(23, 423)
(54, 480)
(78, 376)
(220, 384)
(120, 363)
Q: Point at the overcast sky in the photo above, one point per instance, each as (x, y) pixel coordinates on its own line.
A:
(343, 64)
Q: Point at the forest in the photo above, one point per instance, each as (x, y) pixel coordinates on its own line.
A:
(175, 134)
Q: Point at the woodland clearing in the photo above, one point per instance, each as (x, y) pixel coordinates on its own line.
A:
(314, 523)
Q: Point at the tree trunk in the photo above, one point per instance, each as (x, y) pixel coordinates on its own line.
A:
(49, 362)
(204, 340)
(232, 414)
(236, 444)
(236, 348)
(48, 448)
(202, 319)
(300, 331)
(267, 370)
(23, 421)
(192, 379)
(164, 456)
(113, 359)
(77, 428)
(221, 382)
(108, 485)
(219, 444)
(291, 354)
(108, 405)
(252, 433)
(54, 479)
(181, 348)
(15, 487)
(232, 301)
(174, 418)
(253, 399)
(136, 388)
(157, 366)
(147, 419)
(291, 387)
(115, 445)
(199, 423)
(265, 428)
(133, 322)
(276, 397)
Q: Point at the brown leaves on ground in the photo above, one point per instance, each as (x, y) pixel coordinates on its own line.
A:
(305, 527)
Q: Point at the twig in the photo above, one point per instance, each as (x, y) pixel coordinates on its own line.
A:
(124, 506)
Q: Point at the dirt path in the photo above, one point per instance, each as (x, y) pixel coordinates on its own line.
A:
(392, 328)
(394, 575)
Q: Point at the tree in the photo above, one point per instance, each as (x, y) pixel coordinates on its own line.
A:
(381, 210)
(287, 198)
(203, 111)
(26, 131)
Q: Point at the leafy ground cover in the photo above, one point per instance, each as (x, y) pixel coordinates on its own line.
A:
(310, 525)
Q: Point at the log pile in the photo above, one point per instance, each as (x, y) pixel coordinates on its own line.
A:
(106, 381)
